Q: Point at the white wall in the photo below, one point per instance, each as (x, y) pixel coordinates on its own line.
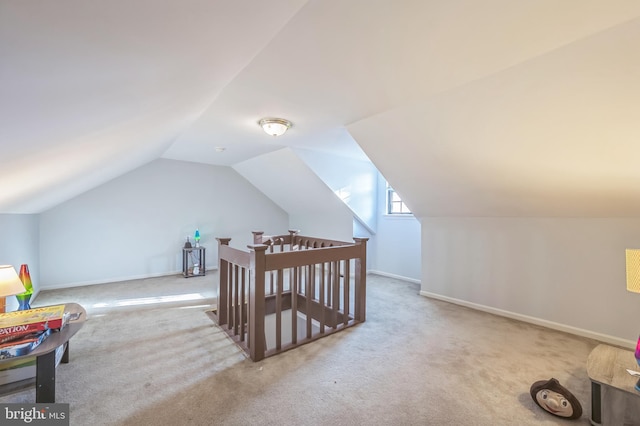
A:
(19, 245)
(337, 226)
(396, 246)
(565, 273)
(312, 206)
(355, 181)
(134, 226)
(361, 231)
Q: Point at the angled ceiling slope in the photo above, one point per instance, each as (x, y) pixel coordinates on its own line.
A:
(485, 100)
(290, 183)
(91, 90)
(554, 136)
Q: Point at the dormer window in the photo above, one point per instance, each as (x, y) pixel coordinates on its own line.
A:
(395, 205)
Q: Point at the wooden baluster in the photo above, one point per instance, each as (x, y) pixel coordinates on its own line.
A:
(236, 304)
(323, 278)
(329, 275)
(293, 287)
(271, 280)
(335, 304)
(249, 310)
(230, 296)
(309, 295)
(345, 280)
(279, 284)
(257, 340)
(243, 306)
(223, 283)
(312, 278)
(292, 238)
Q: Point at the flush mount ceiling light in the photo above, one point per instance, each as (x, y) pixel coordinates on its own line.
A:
(275, 126)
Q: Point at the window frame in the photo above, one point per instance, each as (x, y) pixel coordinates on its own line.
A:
(391, 202)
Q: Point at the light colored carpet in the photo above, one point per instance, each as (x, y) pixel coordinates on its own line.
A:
(143, 360)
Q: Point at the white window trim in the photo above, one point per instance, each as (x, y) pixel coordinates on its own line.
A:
(388, 191)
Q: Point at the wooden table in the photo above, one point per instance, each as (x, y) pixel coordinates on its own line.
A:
(45, 354)
(614, 399)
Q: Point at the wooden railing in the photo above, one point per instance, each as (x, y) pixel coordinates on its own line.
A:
(288, 290)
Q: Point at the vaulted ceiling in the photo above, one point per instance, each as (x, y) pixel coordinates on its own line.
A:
(490, 108)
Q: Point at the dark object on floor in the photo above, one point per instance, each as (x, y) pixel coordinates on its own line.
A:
(552, 397)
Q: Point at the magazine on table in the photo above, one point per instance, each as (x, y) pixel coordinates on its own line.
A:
(24, 345)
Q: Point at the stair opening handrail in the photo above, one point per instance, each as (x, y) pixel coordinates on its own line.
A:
(288, 290)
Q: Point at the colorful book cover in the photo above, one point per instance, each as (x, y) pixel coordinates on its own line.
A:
(4, 338)
(19, 323)
(22, 346)
(15, 370)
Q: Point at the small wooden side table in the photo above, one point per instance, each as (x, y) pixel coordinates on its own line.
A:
(614, 399)
(45, 353)
(193, 257)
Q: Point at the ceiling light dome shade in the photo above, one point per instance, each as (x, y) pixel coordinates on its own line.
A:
(275, 126)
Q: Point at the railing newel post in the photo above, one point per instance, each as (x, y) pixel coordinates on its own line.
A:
(257, 237)
(360, 295)
(292, 237)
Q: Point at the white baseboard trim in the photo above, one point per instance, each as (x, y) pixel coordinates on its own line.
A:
(537, 321)
(398, 277)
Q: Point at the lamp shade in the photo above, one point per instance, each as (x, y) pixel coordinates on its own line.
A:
(633, 270)
(10, 283)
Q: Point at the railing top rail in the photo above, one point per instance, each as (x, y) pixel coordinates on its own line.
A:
(260, 238)
(315, 242)
(310, 249)
(281, 260)
(293, 238)
(243, 318)
(234, 255)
